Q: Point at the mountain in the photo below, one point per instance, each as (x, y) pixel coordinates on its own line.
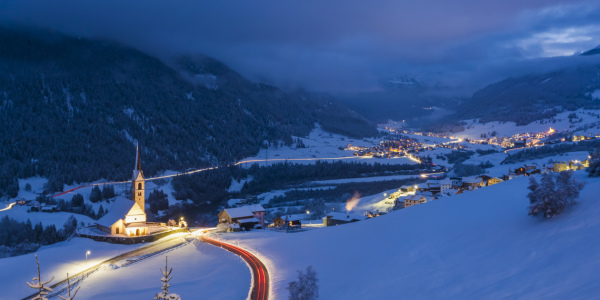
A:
(592, 51)
(399, 98)
(535, 96)
(72, 109)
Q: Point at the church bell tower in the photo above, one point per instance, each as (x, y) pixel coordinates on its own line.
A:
(138, 183)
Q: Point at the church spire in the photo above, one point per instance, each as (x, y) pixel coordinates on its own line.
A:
(138, 160)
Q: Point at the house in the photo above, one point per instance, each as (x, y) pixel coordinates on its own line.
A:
(445, 184)
(560, 166)
(337, 218)
(433, 186)
(414, 200)
(473, 183)
(398, 204)
(456, 182)
(247, 216)
(50, 208)
(407, 188)
(494, 180)
(128, 217)
(422, 187)
(285, 221)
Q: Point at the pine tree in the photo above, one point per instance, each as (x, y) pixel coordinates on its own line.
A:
(164, 295)
(69, 289)
(551, 197)
(40, 285)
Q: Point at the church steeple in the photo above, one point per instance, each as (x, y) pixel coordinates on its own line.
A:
(138, 161)
(138, 183)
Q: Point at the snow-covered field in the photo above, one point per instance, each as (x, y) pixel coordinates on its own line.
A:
(364, 179)
(499, 170)
(57, 219)
(474, 129)
(55, 260)
(477, 245)
(200, 271)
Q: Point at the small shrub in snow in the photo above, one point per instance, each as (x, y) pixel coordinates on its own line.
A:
(164, 295)
(69, 297)
(553, 194)
(306, 287)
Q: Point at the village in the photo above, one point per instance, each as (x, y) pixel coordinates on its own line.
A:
(251, 217)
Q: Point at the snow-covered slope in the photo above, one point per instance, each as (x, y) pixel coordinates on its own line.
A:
(560, 122)
(478, 245)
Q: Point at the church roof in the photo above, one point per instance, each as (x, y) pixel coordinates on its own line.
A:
(117, 211)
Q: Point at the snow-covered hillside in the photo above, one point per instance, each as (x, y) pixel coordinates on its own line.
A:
(477, 245)
(321, 145)
(560, 122)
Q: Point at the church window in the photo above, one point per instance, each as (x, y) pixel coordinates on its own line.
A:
(139, 186)
(140, 193)
(117, 230)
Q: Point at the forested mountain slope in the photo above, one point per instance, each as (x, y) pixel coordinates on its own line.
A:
(72, 109)
(538, 95)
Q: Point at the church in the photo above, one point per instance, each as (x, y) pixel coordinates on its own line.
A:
(128, 217)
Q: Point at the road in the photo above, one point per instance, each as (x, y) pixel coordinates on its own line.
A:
(260, 285)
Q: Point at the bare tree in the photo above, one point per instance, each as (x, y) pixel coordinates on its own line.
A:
(40, 285)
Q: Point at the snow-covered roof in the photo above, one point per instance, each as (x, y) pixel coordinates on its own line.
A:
(290, 218)
(244, 211)
(117, 211)
(415, 197)
(406, 186)
(345, 216)
(249, 220)
(446, 181)
(256, 208)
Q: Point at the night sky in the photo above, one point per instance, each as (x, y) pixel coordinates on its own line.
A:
(338, 46)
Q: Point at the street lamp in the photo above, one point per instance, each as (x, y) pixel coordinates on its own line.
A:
(86, 255)
(308, 212)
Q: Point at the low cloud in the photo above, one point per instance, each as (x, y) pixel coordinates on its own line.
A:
(335, 46)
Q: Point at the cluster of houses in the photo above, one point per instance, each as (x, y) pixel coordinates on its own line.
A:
(42, 207)
(558, 166)
(389, 148)
(434, 189)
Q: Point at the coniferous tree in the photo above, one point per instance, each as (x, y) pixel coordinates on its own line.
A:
(96, 195)
(550, 197)
(306, 288)
(164, 294)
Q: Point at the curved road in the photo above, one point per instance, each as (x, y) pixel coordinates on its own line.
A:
(260, 286)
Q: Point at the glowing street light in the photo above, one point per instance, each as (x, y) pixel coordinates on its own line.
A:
(86, 255)
(308, 212)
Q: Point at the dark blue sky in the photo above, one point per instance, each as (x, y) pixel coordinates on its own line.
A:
(337, 45)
